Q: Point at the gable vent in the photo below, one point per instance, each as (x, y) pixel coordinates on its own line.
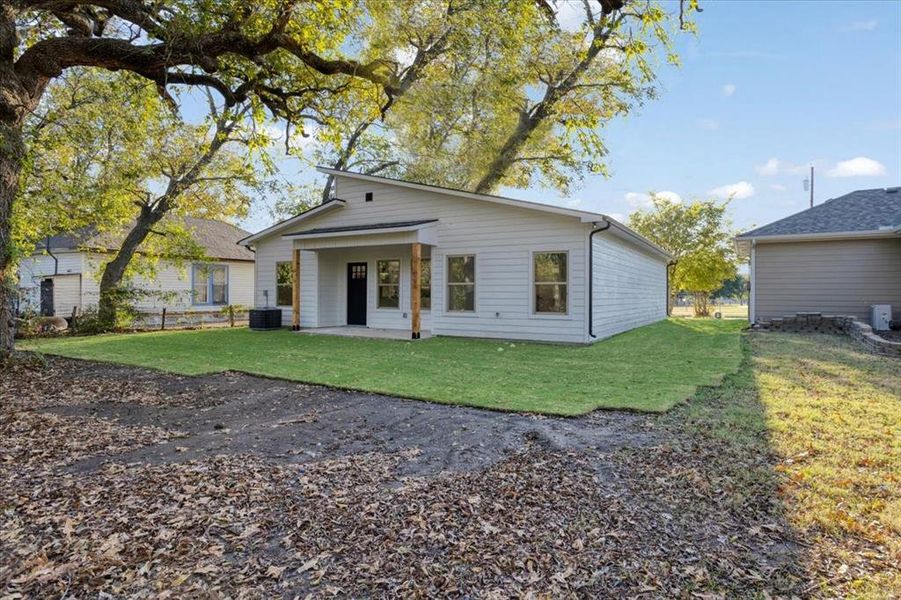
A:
(368, 196)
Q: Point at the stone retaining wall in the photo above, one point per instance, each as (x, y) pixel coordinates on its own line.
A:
(843, 325)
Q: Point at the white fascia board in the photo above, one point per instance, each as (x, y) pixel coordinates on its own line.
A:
(354, 232)
(812, 237)
(585, 216)
(316, 210)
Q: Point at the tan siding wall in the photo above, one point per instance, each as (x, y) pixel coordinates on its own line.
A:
(834, 277)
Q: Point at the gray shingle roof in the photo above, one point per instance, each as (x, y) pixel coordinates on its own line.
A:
(218, 239)
(863, 210)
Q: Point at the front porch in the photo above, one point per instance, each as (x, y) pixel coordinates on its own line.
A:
(361, 331)
(363, 281)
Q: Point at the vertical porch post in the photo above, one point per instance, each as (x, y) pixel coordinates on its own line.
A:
(295, 290)
(415, 300)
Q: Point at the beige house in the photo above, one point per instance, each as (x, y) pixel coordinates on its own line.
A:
(63, 274)
(837, 258)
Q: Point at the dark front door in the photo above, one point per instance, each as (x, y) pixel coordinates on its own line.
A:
(47, 297)
(356, 293)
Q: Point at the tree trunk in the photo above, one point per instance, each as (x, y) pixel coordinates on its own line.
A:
(114, 271)
(11, 155)
(701, 306)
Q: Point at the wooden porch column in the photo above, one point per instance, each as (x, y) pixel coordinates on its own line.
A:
(295, 290)
(415, 300)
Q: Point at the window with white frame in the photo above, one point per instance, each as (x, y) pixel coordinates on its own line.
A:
(461, 283)
(425, 284)
(388, 283)
(284, 283)
(210, 284)
(550, 281)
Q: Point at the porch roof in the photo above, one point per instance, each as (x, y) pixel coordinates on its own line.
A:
(370, 234)
(371, 227)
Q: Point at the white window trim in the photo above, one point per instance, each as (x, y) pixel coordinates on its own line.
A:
(400, 285)
(447, 284)
(209, 284)
(533, 312)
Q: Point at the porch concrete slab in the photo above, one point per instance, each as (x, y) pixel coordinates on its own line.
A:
(365, 332)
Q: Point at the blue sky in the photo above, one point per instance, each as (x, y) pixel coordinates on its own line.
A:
(765, 90)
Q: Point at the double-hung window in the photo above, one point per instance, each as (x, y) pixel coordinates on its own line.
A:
(550, 282)
(284, 283)
(210, 284)
(388, 283)
(461, 283)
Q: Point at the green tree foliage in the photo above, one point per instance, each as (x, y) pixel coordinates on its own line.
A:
(736, 288)
(282, 56)
(501, 97)
(111, 157)
(699, 236)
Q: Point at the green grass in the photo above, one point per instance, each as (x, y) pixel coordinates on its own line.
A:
(647, 369)
(829, 413)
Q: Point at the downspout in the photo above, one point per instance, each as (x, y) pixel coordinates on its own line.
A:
(55, 259)
(671, 263)
(591, 277)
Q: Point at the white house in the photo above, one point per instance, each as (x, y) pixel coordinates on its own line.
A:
(392, 254)
(63, 275)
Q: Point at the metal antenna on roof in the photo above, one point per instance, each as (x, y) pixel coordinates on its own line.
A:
(808, 185)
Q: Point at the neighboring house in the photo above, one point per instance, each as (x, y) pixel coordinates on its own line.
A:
(64, 274)
(837, 258)
(488, 266)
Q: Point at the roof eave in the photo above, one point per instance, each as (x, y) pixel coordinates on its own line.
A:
(355, 232)
(272, 229)
(583, 215)
(829, 235)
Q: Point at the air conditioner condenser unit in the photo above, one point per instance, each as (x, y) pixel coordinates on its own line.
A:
(880, 316)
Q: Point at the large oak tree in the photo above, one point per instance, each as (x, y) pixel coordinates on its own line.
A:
(284, 54)
(514, 98)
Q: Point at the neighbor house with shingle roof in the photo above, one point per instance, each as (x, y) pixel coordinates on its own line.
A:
(63, 274)
(836, 258)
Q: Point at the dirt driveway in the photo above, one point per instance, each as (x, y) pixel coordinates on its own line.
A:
(135, 483)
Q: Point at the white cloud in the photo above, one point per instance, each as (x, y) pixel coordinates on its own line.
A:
(570, 15)
(643, 200)
(777, 187)
(729, 89)
(860, 166)
(708, 124)
(774, 167)
(573, 203)
(869, 25)
(738, 191)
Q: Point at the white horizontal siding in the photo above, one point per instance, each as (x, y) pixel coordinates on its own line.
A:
(629, 286)
(272, 250)
(333, 287)
(65, 271)
(503, 239)
(66, 294)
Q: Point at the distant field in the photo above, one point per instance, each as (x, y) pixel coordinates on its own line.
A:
(730, 311)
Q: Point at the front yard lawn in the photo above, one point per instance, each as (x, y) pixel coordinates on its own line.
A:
(647, 369)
